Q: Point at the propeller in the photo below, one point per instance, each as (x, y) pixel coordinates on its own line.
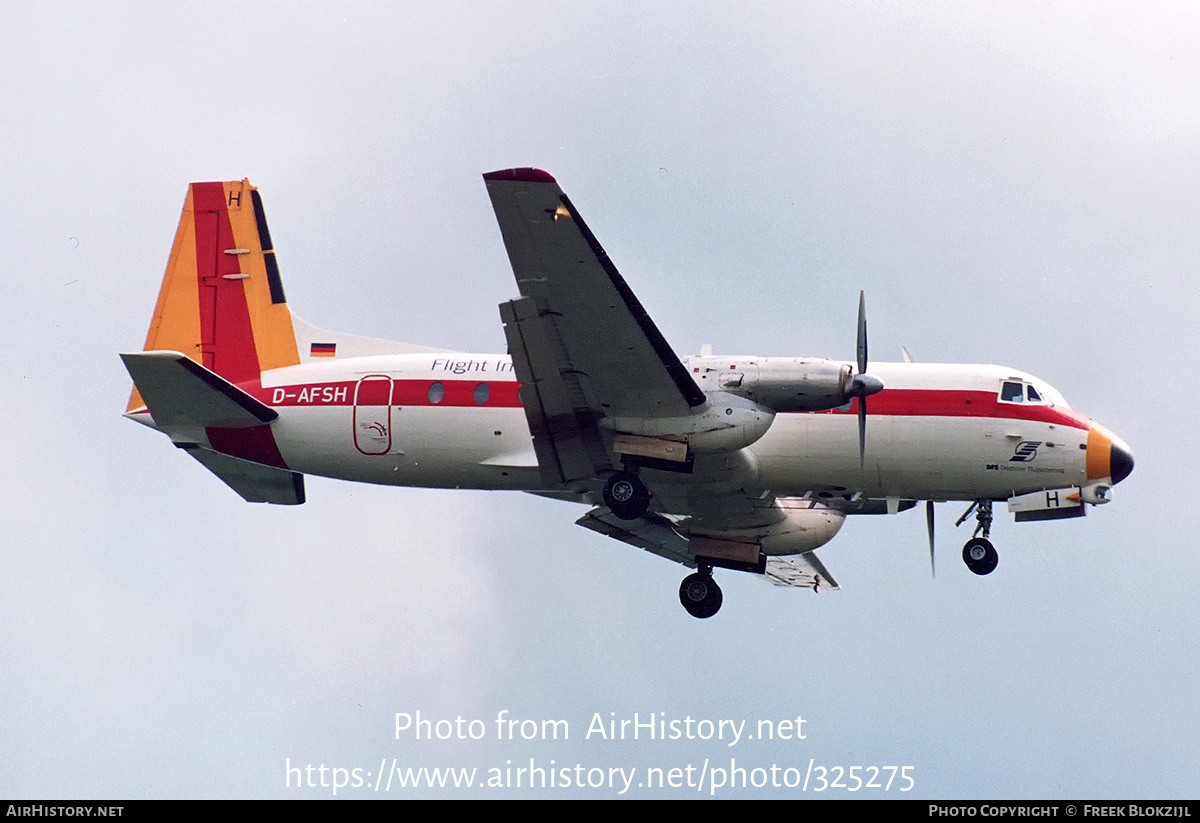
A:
(929, 524)
(862, 384)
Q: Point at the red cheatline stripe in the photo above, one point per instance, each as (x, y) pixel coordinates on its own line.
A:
(373, 392)
(958, 403)
(504, 394)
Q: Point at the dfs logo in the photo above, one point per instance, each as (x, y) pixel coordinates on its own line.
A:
(1025, 452)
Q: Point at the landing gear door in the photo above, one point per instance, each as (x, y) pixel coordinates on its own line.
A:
(372, 414)
(1052, 504)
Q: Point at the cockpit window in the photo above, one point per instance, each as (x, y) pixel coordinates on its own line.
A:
(1018, 391)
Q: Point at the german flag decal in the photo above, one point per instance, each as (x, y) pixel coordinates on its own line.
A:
(323, 350)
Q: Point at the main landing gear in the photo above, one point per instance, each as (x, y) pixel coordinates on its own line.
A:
(628, 498)
(979, 554)
(626, 495)
(700, 594)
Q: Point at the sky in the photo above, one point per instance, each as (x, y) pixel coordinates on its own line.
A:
(1011, 183)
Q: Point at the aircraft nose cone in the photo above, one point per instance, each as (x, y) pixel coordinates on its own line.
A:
(1120, 461)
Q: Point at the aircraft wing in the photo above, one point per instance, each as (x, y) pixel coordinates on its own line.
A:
(583, 348)
(597, 330)
(582, 345)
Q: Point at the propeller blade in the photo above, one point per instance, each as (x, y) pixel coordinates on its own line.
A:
(929, 524)
(862, 385)
(862, 332)
(862, 433)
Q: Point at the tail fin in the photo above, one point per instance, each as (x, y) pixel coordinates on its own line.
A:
(222, 301)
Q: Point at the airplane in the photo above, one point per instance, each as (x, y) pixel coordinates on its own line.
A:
(713, 461)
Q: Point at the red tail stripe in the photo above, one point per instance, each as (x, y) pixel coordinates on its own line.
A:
(256, 444)
(226, 336)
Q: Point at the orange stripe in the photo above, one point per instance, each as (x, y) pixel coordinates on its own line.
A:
(1099, 453)
(175, 325)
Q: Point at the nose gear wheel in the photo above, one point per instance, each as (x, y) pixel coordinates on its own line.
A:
(979, 554)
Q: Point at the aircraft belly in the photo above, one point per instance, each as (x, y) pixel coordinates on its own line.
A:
(411, 446)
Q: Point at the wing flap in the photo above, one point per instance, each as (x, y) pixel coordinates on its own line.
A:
(565, 435)
(650, 532)
(804, 571)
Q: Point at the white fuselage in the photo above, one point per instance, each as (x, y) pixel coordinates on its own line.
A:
(451, 420)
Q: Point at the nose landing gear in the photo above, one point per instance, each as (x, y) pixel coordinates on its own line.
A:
(979, 554)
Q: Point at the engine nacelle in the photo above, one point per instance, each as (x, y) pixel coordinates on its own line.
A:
(726, 422)
(782, 384)
(803, 528)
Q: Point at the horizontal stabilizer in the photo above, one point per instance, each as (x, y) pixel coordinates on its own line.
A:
(254, 482)
(179, 392)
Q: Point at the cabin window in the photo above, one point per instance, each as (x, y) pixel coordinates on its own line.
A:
(482, 392)
(1013, 392)
(436, 392)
